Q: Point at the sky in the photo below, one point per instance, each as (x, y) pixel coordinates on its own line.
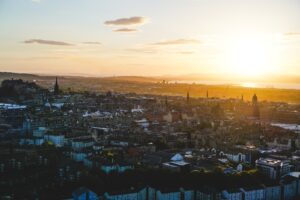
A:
(150, 37)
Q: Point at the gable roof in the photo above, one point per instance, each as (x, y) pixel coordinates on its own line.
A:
(177, 157)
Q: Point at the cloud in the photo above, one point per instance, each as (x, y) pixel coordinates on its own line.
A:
(96, 43)
(47, 42)
(292, 34)
(165, 46)
(36, 1)
(44, 58)
(186, 52)
(126, 30)
(142, 50)
(177, 42)
(127, 21)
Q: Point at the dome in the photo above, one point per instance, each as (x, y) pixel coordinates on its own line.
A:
(177, 157)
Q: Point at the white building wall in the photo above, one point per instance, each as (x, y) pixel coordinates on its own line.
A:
(57, 140)
(202, 196)
(140, 195)
(188, 195)
(168, 196)
(290, 190)
(232, 196)
(254, 194)
(273, 193)
(151, 193)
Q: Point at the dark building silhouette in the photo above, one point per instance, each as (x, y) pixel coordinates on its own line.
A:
(166, 102)
(188, 97)
(255, 106)
(56, 87)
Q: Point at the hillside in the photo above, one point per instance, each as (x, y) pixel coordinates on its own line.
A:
(148, 85)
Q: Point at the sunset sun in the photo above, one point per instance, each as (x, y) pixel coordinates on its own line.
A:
(249, 56)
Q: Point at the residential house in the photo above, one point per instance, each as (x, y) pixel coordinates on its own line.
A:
(130, 194)
(84, 194)
(232, 194)
(254, 193)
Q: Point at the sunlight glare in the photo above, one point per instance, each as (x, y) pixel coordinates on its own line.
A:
(249, 56)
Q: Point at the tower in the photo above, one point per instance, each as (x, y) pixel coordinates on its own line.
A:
(255, 106)
(206, 93)
(56, 87)
(166, 103)
(188, 97)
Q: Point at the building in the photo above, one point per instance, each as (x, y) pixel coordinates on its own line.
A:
(130, 194)
(164, 194)
(56, 87)
(289, 187)
(81, 143)
(255, 107)
(120, 168)
(84, 194)
(177, 163)
(233, 194)
(254, 193)
(187, 194)
(205, 194)
(56, 139)
(273, 192)
(236, 157)
(79, 156)
(273, 168)
(39, 132)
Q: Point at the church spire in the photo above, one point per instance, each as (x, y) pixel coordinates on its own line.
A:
(255, 107)
(166, 101)
(56, 87)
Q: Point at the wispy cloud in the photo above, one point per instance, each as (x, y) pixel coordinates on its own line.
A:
(166, 46)
(292, 34)
(127, 21)
(186, 52)
(142, 49)
(36, 1)
(93, 43)
(180, 41)
(44, 58)
(126, 30)
(47, 42)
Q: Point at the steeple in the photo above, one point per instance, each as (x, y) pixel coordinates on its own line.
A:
(255, 107)
(166, 102)
(56, 87)
(254, 99)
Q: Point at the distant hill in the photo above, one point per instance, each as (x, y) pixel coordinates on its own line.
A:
(17, 89)
(9, 75)
(154, 85)
(133, 79)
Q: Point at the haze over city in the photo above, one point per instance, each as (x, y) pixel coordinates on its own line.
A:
(150, 99)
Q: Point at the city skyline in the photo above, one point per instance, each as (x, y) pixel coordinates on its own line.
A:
(149, 38)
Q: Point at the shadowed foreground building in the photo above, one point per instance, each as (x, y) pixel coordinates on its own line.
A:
(84, 194)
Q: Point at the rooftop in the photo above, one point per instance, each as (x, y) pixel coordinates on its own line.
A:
(269, 161)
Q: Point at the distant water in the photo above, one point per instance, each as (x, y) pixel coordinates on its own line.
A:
(291, 127)
(295, 86)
